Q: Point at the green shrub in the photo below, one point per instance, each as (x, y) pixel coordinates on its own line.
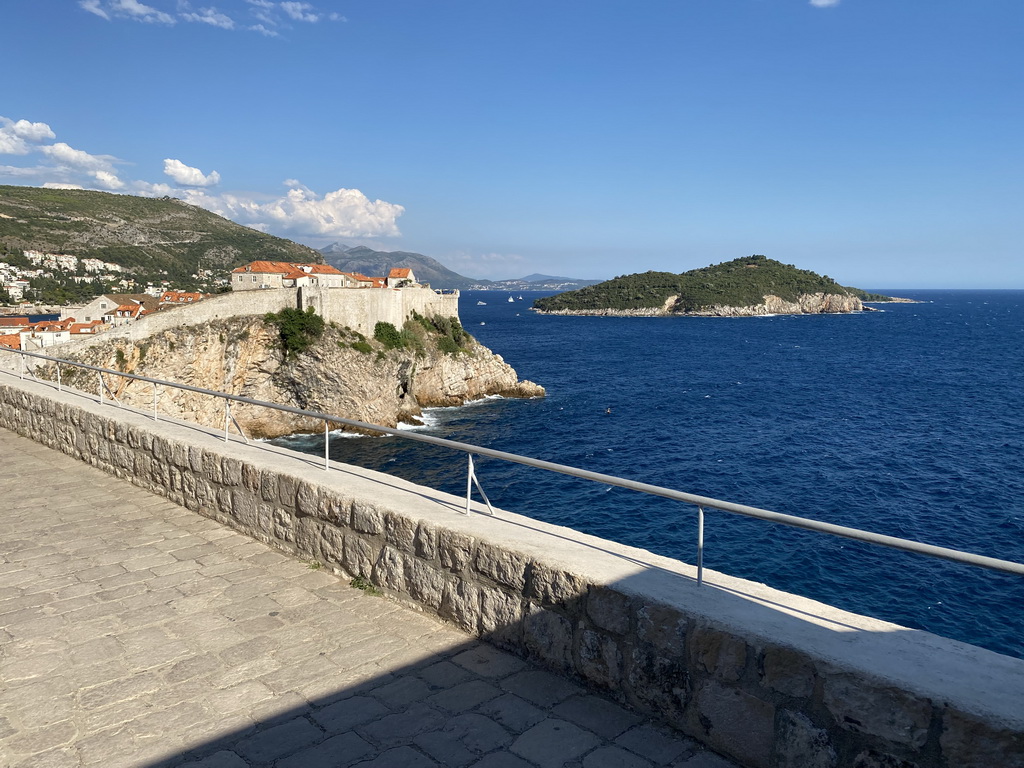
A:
(298, 330)
(362, 346)
(388, 335)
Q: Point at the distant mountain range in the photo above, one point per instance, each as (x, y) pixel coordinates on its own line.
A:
(369, 262)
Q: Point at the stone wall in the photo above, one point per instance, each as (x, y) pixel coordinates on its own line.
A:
(770, 679)
(358, 308)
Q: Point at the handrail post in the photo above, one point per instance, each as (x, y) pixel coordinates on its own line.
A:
(700, 546)
(154, 402)
(327, 445)
(227, 418)
(472, 479)
(58, 377)
(99, 379)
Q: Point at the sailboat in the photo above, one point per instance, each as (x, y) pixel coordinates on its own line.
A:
(511, 300)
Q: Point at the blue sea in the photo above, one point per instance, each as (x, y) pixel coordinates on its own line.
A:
(908, 421)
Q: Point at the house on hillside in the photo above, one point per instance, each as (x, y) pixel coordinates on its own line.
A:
(399, 277)
(13, 324)
(281, 274)
(108, 303)
(124, 314)
(86, 329)
(357, 280)
(10, 340)
(46, 334)
(177, 298)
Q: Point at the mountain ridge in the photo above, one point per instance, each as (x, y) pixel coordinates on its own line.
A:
(146, 235)
(361, 258)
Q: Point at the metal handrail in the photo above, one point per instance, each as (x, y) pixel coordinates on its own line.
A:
(701, 502)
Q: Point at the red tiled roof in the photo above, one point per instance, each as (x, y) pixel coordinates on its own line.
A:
(12, 341)
(285, 268)
(13, 321)
(179, 297)
(400, 272)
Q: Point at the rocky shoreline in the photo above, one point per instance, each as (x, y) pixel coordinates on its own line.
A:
(340, 375)
(807, 304)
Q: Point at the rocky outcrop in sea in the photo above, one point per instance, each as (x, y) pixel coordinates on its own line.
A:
(341, 374)
(806, 304)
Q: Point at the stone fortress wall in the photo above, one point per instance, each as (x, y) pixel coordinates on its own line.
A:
(357, 308)
(770, 679)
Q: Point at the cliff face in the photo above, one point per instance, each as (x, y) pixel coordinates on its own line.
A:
(806, 304)
(341, 375)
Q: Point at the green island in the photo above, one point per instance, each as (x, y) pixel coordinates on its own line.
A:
(746, 286)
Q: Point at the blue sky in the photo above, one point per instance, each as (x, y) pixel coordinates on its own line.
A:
(877, 141)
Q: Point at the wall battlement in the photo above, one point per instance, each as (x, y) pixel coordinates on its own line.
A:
(357, 308)
(771, 679)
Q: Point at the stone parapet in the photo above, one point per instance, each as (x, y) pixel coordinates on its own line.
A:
(769, 678)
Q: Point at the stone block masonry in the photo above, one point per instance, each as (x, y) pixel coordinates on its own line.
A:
(357, 308)
(771, 679)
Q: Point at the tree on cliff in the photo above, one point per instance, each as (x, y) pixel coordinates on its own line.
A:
(298, 330)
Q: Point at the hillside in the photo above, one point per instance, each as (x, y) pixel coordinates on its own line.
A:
(740, 286)
(148, 236)
(377, 263)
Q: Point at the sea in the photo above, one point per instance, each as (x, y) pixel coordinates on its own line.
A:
(906, 421)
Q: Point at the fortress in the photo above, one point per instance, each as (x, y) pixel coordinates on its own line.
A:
(357, 309)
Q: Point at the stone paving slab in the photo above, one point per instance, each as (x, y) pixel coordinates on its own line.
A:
(136, 633)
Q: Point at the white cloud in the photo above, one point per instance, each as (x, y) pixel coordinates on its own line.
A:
(145, 189)
(93, 6)
(11, 144)
(209, 16)
(300, 12)
(140, 12)
(824, 3)
(32, 131)
(108, 180)
(301, 212)
(67, 156)
(189, 176)
(23, 172)
(269, 16)
(16, 135)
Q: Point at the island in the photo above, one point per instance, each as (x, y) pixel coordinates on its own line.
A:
(748, 286)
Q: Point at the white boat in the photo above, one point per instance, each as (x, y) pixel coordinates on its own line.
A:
(511, 300)
(481, 303)
(520, 298)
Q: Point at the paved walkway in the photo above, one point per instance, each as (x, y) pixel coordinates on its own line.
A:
(136, 633)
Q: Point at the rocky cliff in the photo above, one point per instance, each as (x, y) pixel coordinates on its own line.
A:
(342, 374)
(805, 304)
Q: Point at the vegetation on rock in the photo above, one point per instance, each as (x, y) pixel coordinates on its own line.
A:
(153, 238)
(741, 282)
(297, 330)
